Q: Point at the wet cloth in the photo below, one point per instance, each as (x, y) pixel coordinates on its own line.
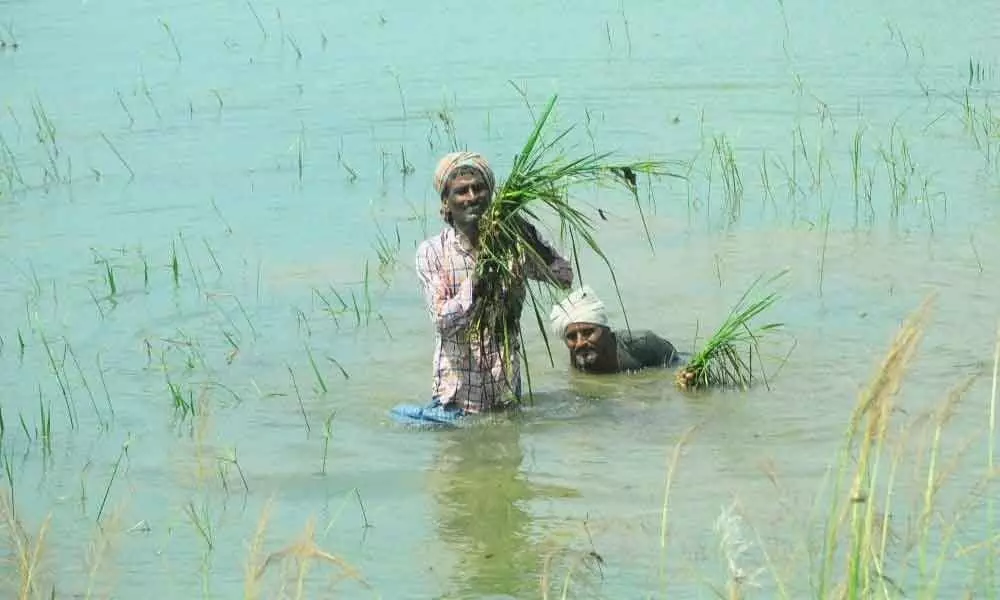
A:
(430, 415)
(472, 376)
(638, 349)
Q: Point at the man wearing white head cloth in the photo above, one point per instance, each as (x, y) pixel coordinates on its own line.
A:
(468, 377)
(581, 320)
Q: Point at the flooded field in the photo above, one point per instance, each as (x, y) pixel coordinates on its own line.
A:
(208, 218)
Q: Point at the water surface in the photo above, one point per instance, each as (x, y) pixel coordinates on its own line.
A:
(266, 147)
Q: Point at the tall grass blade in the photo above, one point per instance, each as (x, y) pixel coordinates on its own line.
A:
(111, 480)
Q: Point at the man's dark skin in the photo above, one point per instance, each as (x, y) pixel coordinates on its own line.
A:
(466, 199)
(598, 349)
(592, 348)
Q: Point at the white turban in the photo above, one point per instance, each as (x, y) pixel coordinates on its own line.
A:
(581, 306)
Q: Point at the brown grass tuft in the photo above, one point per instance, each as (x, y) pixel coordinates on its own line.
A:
(299, 555)
(27, 554)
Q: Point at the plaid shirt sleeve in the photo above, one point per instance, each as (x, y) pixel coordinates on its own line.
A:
(449, 310)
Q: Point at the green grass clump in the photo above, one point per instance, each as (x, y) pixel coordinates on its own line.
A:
(720, 362)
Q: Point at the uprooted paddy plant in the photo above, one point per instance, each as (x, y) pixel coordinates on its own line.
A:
(539, 180)
(727, 357)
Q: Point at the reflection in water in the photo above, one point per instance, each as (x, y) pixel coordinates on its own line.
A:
(481, 495)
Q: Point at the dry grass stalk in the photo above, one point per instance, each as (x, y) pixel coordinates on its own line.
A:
(27, 555)
(251, 582)
(300, 554)
(867, 432)
(100, 547)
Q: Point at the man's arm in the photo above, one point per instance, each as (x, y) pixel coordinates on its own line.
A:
(448, 312)
(546, 265)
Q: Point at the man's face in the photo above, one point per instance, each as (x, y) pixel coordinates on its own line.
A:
(466, 198)
(586, 343)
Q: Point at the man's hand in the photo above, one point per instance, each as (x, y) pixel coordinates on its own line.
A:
(535, 240)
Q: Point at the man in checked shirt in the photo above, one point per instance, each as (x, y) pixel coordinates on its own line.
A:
(468, 378)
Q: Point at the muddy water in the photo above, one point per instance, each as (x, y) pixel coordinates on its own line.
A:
(262, 150)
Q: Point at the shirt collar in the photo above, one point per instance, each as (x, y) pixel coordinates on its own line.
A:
(459, 241)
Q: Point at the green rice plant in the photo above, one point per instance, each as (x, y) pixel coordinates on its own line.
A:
(175, 269)
(260, 23)
(720, 362)
(402, 105)
(329, 308)
(195, 271)
(148, 93)
(45, 133)
(118, 154)
(300, 145)
(128, 113)
(900, 168)
(110, 277)
(231, 459)
(327, 434)
(856, 170)
(302, 321)
(387, 251)
(339, 366)
(364, 513)
(63, 384)
(10, 171)
(539, 179)
(234, 347)
(202, 523)
(302, 406)
(104, 384)
(979, 71)
(448, 123)
(86, 386)
(145, 270)
(173, 40)
(765, 180)
(111, 480)
(45, 422)
(186, 406)
(24, 427)
(9, 472)
(315, 369)
(722, 151)
(352, 175)
(822, 254)
(211, 254)
(406, 167)
(218, 213)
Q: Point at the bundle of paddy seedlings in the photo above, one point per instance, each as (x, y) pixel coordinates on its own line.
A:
(721, 362)
(539, 179)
